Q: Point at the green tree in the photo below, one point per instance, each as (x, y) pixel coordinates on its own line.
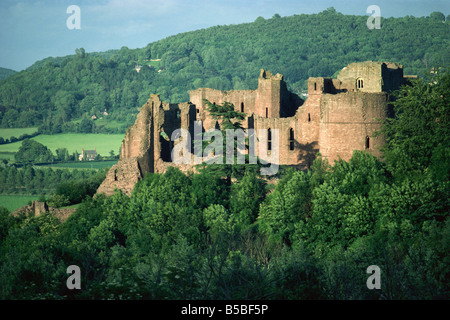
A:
(86, 126)
(246, 197)
(228, 119)
(342, 206)
(64, 103)
(286, 206)
(62, 154)
(438, 16)
(219, 221)
(420, 129)
(10, 118)
(80, 52)
(33, 151)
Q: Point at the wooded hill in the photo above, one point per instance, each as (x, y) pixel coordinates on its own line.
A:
(5, 73)
(56, 93)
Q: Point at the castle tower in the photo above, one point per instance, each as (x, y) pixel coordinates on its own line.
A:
(269, 95)
(371, 76)
(350, 119)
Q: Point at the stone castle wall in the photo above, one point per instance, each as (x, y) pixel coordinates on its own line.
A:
(340, 115)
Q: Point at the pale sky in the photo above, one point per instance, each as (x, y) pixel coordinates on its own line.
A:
(32, 30)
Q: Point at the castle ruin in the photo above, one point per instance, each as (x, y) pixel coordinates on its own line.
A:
(339, 115)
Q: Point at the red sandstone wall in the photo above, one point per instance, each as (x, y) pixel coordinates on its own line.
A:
(346, 119)
(236, 97)
(136, 157)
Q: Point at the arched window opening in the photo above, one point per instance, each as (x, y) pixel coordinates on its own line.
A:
(291, 139)
(242, 107)
(360, 83)
(267, 112)
(309, 117)
(367, 142)
(315, 86)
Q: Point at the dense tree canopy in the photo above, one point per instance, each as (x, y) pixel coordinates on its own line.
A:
(5, 73)
(418, 135)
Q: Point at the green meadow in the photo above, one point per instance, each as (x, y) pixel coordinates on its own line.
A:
(13, 202)
(7, 156)
(7, 133)
(103, 143)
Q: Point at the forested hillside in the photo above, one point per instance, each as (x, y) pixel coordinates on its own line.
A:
(56, 93)
(205, 236)
(5, 73)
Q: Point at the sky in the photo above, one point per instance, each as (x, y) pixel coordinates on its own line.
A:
(31, 30)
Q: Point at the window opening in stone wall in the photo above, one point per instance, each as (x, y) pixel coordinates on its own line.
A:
(267, 113)
(165, 149)
(291, 139)
(115, 175)
(242, 107)
(360, 84)
(315, 86)
(269, 140)
(309, 117)
(367, 142)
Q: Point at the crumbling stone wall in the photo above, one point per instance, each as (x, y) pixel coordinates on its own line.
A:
(340, 115)
(37, 208)
(243, 100)
(137, 156)
(147, 146)
(371, 76)
(272, 99)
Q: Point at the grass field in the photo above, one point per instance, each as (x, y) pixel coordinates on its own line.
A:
(74, 142)
(7, 156)
(13, 202)
(108, 123)
(84, 164)
(7, 133)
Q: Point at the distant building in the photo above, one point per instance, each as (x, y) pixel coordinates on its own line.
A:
(90, 154)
